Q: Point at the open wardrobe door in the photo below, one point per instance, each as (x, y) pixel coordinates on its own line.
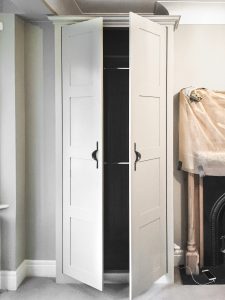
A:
(82, 76)
(147, 153)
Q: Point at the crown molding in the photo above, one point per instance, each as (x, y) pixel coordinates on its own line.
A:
(115, 20)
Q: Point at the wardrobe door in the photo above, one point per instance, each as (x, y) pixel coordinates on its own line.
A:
(82, 68)
(147, 153)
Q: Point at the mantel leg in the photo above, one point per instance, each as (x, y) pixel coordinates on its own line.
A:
(201, 214)
(192, 255)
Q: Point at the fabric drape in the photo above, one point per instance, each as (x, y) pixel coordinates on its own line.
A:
(202, 131)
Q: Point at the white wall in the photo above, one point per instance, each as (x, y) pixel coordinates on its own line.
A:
(200, 62)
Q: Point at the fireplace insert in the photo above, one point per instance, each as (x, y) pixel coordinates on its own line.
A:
(214, 220)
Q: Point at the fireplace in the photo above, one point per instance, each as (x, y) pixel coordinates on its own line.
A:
(206, 223)
(202, 156)
(206, 229)
(214, 220)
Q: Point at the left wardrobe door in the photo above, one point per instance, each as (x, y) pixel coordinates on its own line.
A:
(82, 76)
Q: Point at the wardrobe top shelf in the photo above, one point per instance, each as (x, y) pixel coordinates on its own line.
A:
(117, 56)
(116, 163)
(116, 68)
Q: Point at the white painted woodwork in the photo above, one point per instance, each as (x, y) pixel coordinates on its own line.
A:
(3, 206)
(148, 131)
(82, 67)
(114, 20)
(170, 155)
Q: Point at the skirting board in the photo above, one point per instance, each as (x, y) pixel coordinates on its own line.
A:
(10, 280)
(178, 258)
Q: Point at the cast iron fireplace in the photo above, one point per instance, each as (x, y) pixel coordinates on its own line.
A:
(214, 220)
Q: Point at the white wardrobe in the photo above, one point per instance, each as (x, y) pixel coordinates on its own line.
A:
(114, 129)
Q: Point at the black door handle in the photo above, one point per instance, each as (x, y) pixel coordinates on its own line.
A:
(138, 156)
(94, 155)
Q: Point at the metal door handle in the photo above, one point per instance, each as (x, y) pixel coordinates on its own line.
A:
(94, 155)
(138, 156)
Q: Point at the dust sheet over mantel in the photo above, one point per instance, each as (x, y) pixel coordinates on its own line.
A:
(202, 131)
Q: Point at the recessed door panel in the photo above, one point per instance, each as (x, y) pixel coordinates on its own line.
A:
(147, 153)
(82, 68)
(84, 125)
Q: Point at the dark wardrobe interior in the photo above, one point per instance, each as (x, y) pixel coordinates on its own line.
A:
(116, 149)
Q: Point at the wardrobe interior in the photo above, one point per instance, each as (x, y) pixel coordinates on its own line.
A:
(116, 148)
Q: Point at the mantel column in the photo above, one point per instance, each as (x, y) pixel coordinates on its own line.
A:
(192, 255)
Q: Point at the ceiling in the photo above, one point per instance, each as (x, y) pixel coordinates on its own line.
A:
(32, 9)
(38, 9)
(115, 6)
(118, 6)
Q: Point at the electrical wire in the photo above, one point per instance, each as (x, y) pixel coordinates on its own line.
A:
(192, 276)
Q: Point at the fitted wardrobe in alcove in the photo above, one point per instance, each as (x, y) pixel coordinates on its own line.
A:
(114, 206)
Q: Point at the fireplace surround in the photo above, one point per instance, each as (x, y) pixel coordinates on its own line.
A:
(202, 156)
(206, 229)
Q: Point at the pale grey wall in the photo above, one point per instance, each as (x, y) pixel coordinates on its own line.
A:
(40, 141)
(12, 142)
(20, 142)
(7, 144)
(27, 136)
(7, 6)
(46, 250)
(200, 62)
